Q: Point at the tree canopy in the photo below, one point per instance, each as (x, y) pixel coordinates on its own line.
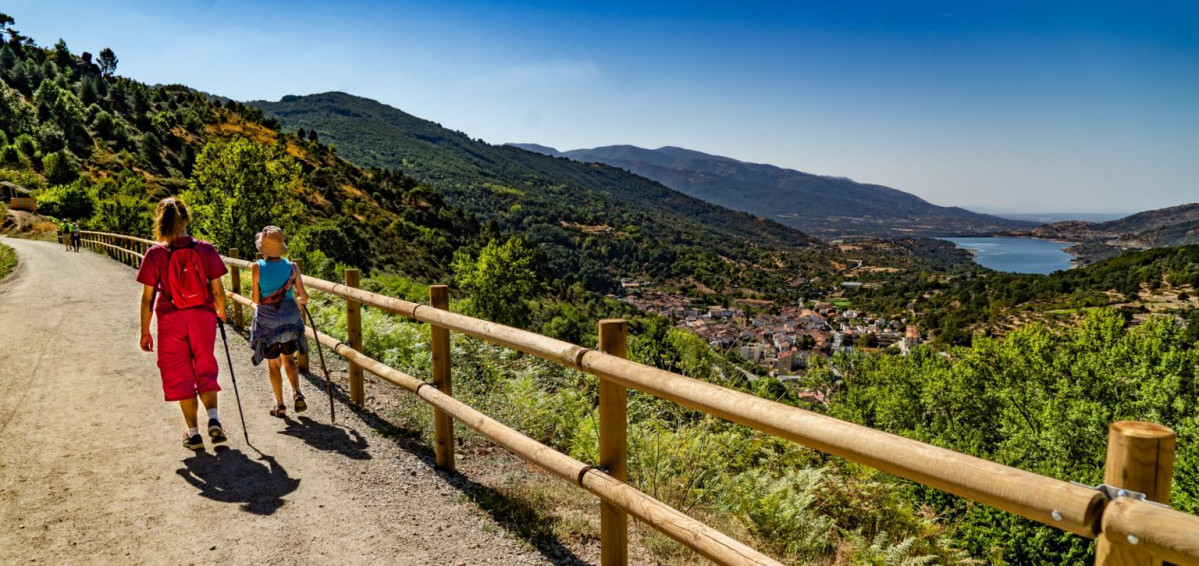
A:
(237, 188)
(500, 281)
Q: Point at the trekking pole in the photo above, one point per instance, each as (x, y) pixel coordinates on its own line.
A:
(237, 395)
(321, 354)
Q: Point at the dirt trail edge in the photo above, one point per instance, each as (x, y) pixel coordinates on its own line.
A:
(91, 469)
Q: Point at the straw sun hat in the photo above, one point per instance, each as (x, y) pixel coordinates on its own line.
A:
(270, 242)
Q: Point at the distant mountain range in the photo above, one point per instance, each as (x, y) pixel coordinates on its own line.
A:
(829, 207)
(1164, 227)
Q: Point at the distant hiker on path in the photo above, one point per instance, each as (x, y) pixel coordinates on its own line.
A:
(278, 329)
(76, 236)
(184, 274)
(64, 235)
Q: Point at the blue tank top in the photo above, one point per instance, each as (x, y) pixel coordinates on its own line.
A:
(273, 275)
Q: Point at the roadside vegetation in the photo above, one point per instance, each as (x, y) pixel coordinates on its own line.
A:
(789, 501)
(8, 261)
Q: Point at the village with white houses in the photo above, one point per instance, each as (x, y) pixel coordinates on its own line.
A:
(783, 340)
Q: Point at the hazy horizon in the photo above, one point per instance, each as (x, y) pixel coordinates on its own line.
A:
(1085, 107)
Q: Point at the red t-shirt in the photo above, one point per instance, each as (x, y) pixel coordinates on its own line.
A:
(154, 267)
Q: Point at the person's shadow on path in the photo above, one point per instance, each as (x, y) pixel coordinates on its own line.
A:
(347, 442)
(229, 476)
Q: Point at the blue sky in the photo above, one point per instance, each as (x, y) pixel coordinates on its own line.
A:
(1045, 106)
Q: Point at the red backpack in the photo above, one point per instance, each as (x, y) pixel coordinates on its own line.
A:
(185, 284)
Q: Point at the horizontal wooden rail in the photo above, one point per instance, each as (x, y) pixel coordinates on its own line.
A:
(1165, 533)
(708, 542)
(118, 236)
(111, 247)
(1155, 530)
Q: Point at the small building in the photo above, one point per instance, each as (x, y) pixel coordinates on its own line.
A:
(17, 197)
(911, 337)
(751, 353)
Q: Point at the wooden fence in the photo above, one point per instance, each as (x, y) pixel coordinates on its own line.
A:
(1127, 514)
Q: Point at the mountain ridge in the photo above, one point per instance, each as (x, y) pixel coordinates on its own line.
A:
(1158, 228)
(823, 205)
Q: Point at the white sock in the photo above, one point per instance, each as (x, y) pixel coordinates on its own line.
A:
(193, 431)
(212, 414)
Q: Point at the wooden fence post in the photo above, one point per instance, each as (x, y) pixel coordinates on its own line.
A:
(613, 445)
(1140, 457)
(443, 423)
(354, 335)
(235, 286)
(302, 359)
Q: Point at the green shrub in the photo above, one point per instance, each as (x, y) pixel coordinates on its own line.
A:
(59, 167)
(71, 201)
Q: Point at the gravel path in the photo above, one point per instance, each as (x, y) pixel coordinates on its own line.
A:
(91, 469)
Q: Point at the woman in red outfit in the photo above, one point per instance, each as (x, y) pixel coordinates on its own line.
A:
(185, 276)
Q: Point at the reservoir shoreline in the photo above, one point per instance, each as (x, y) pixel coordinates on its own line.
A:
(1019, 255)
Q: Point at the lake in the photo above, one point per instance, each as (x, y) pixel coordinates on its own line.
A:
(1017, 255)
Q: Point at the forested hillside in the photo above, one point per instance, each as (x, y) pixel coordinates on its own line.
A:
(100, 148)
(555, 200)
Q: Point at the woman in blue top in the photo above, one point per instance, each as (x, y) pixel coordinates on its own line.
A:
(278, 329)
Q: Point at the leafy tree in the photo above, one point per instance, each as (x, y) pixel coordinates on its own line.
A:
(107, 61)
(239, 187)
(340, 241)
(151, 148)
(7, 58)
(70, 201)
(87, 91)
(118, 99)
(26, 145)
(125, 214)
(15, 115)
(312, 137)
(104, 125)
(10, 155)
(62, 54)
(500, 282)
(18, 77)
(59, 168)
(301, 134)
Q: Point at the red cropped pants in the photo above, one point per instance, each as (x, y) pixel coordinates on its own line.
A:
(186, 362)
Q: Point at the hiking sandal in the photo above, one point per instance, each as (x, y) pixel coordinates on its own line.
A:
(301, 405)
(280, 410)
